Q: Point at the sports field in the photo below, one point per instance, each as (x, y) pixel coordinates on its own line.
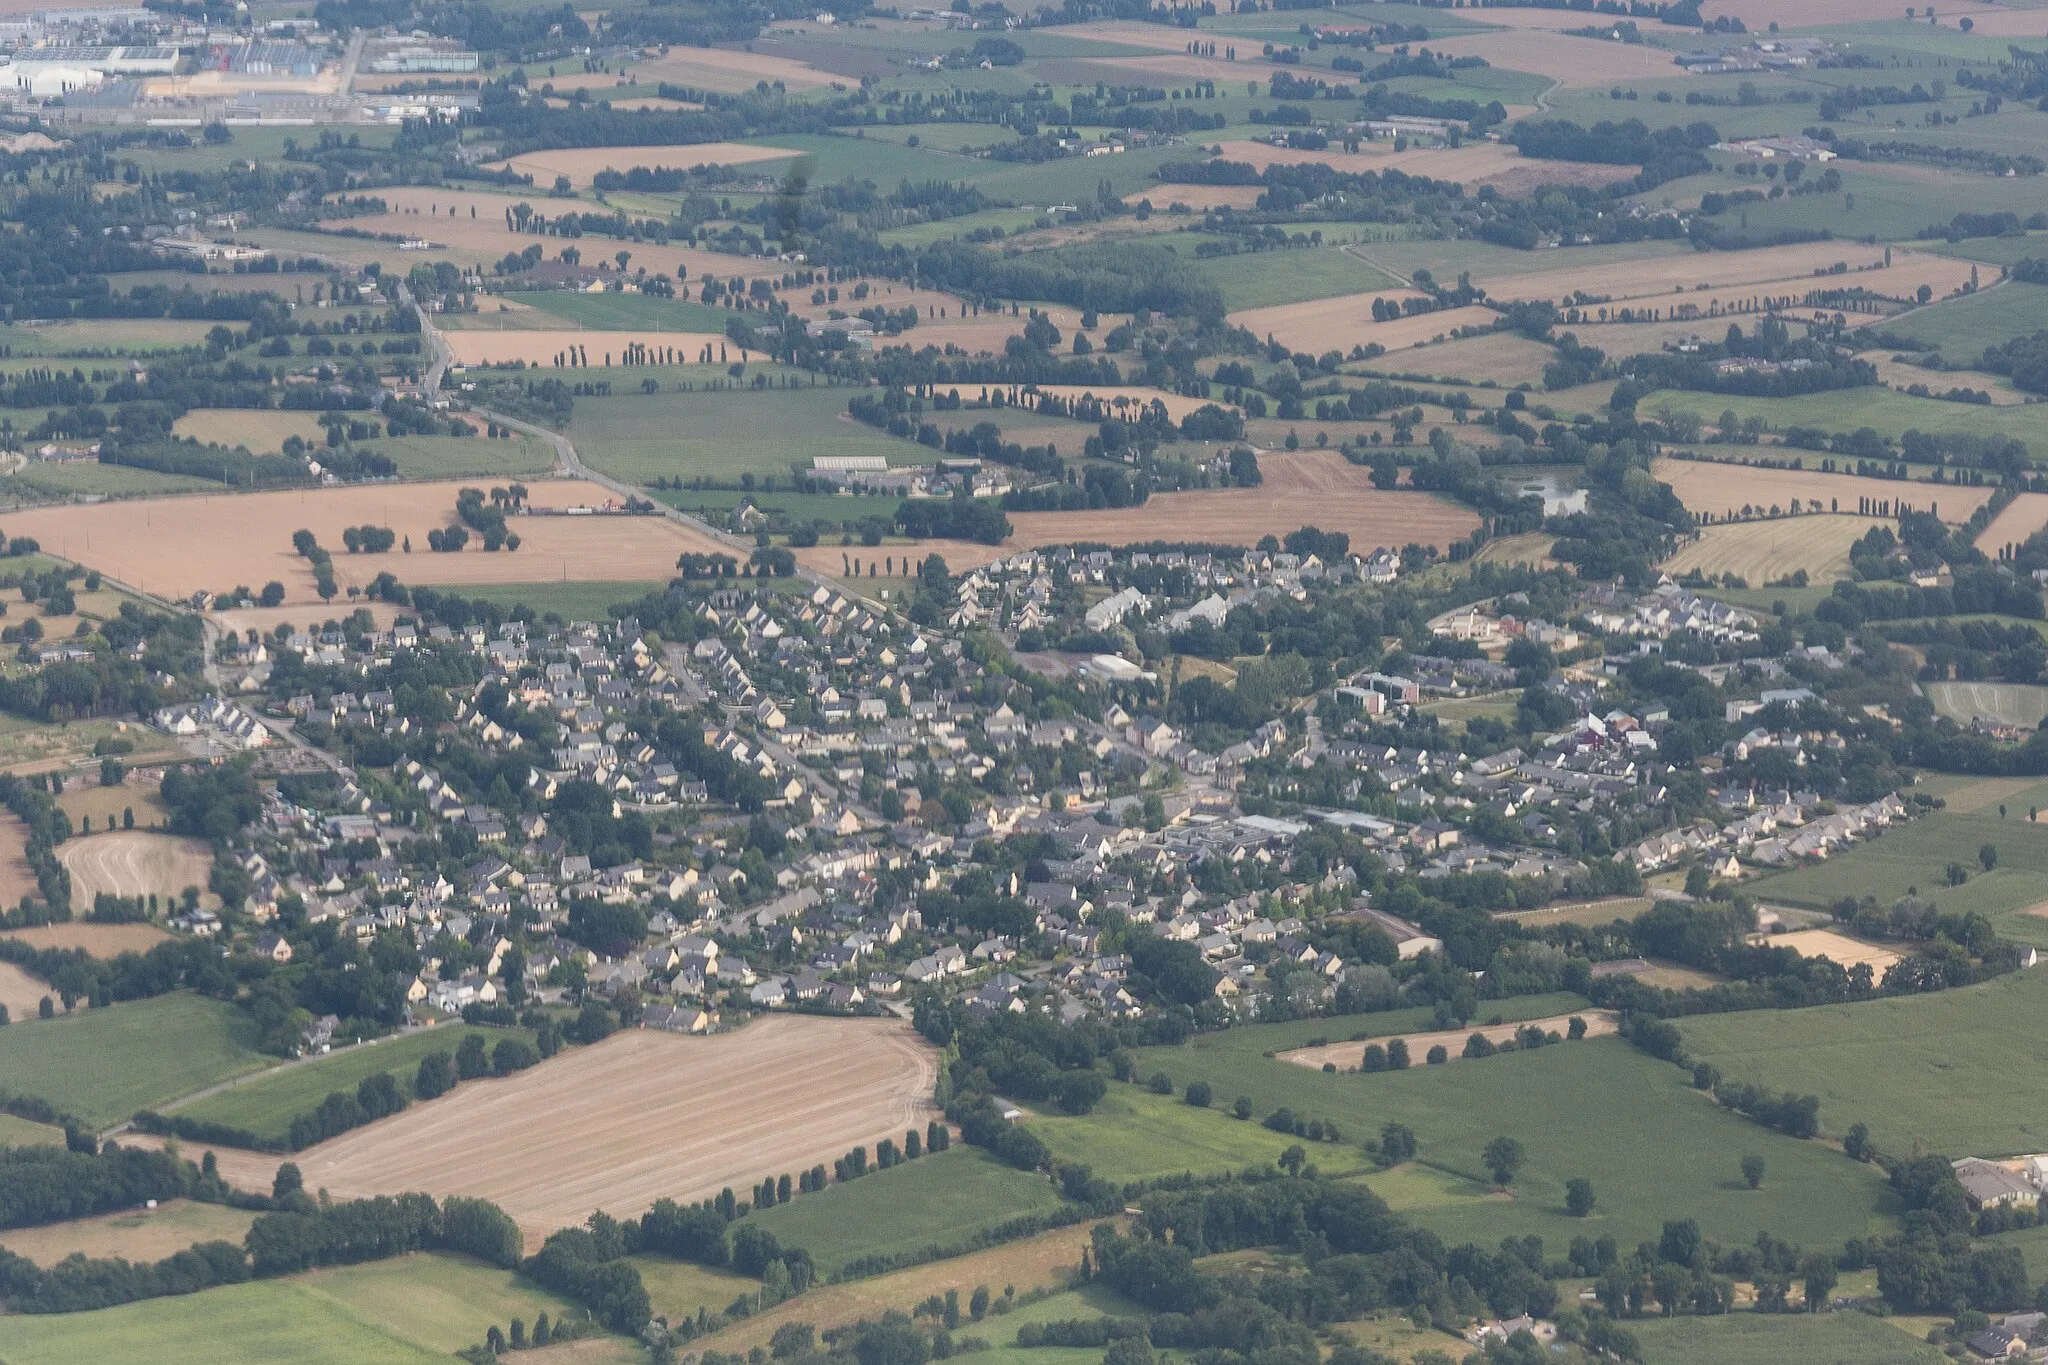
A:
(1957, 1070)
(1762, 551)
(105, 1064)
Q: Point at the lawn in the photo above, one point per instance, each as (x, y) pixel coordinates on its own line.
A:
(1963, 327)
(1948, 1069)
(1774, 1338)
(267, 1105)
(446, 457)
(626, 312)
(570, 601)
(1915, 855)
(1887, 411)
(940, 1200)
(105, 1064)
(722, 435)
(1653, 1147)
(1137, 1135)
(1259, 279)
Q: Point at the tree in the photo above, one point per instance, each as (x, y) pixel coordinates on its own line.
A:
(1578, 1197)
(471, 1060)
(1503, 1157)
(1293, 1159)
(1856, 1142)
(1241, 1108)
(1199, 1094)
(1819, 1272)
(1753, 1171)
(1396, 1144)
(287, 1182)
(1988, 856)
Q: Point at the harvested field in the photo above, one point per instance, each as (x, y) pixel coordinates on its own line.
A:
(21, 993)
(542, 347)
(132, 1234)
(262, 432)
(1483, 163)
(1842, 951)
(726, 71)
(131, 863)
(652, 1115)
(1722, 489)
(1349, 1056)
(104, 806)
(1760, 551)
(1567, 60)
(2023, 704)
(1507, 358)
(17, 878)
(1341, 323)
(2022, 517)
(100, 940)
(581, 164)
(1791, 267)
(204, 541)
(1203, 197)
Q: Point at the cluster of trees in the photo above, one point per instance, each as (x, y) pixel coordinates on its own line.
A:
(308, 547)
(975, 519)
(368, 540)
(47, 826)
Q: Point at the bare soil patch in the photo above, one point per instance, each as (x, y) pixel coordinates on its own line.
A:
(1723, 489)
(581, 164)
(131, 863)
(1842, 951)
(2022, 517)
(99, 940)
(205, 542)
(602, 348)
(642, 1115)
(1350, 1056)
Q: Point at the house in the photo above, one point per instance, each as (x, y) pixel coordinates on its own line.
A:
(275, 947)
(1990, 1185)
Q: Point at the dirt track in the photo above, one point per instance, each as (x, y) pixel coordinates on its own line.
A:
(641, 1115)
(131, 863)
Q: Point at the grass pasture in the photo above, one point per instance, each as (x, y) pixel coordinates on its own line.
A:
(1652, 1145)
(105, 1064)
(1269, 279)
(1136, 1135)
(1886, 411)
(89, 478)
(19, 1132)
(1962, 328)
(450, 457)
(1773, 1338)
(266, 1105)
(637, 437)
(938, 1200)
(1955, 1069)
(102, 336)
(1761, 551)
(132, 1234)
(625, 312)
(570, 601)
(1505, 358)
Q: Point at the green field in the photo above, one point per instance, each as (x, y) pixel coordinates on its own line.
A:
(412, 1309)
(447, 457)
(1777, 1338)
(639, 437)
(1916, 854)
(1136, 1135)
(570, 601)
(105, 1064)
(1653, 1147)
(1257, 279)
(1995, 250)
(938, 1200)
(16, 1132)
(266, 1105)
(678, 1289)
(106, 336)
(1886, 411)
(1949, 1069)
(801, 507)
(627, 312)
(92, 479)
(1962, 328)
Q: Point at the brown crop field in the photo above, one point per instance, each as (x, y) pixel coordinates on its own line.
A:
(1348, 1056)
(1569, 61)
(132, 1234)
(99, 940)
(2022, 517)
(261, 432)
(1683, 273)
(1837, 948)
(204, 542)
(1723, 489)
(538, 347)
(1203, 197)
(1760, 551)
(1483, 163)
(1322, 324)
(581, 164)
(725, 70)
(131, 863)
(644, 1114)
(17, 878)
(1507, 358)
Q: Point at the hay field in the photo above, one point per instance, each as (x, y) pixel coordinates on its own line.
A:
(1321, 324)
(642, 1115)
(1571, 62)
(1532, 549)
(131, 863)
(1506, 358)
(205, 541)
(1687, 271)
(1349, 1056)
(99, 940)
(1722, 489)
(119, 335)
(537, 347)
(133, 1234)
(1837, 948)
(22, 993)
(1760, 551)
(1202, 197)
(262, 432)
(726, 71)
(2005, 703)
(2022, 517)
(581, 164)
(1482, 163)
(1899, 374)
